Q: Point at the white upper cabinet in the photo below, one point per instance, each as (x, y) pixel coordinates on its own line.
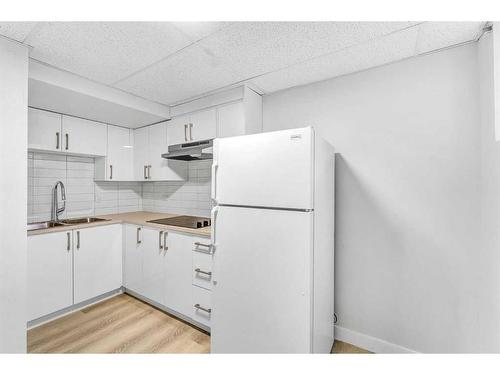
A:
(44, 130)
(227, 116)
(231, 120)
(203, 125)
(197, 126)
(84, 136)
(48, 131)
(118, 164)
(150, 143)
(178, 130)
(141, 145)
(120, 156)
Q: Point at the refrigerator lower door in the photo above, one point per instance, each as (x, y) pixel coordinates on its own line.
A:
(265, 170)
(262, 281)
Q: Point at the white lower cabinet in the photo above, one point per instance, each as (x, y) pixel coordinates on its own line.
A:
(132, 258)
(153, 265)
(97, 261)
(168, 268)
(159, 265)
(50, 278)
(66, 268)
(178, 273)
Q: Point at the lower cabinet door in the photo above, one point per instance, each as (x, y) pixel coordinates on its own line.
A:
(50, 284)
(97, 261)
(132, 268)
(153, 265)
(178, 273)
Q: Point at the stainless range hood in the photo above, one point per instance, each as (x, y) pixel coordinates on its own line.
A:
(190, 151)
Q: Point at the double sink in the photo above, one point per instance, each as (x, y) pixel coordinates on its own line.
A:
(66, 222)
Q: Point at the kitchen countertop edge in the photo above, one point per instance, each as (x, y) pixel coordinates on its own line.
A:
(135, 218)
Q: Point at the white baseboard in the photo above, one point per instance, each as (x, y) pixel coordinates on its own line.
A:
(71, 309)
(370, 343)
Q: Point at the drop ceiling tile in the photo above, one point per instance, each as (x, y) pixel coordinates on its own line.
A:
(16, 30)
(198, 30)
(435, 35)
(185, 74)
(381, 51)
(105, 51)
(253, 48)
(244, 50)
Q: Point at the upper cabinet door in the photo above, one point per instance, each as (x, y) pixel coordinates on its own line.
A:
(44, 130)
(141, 144)
(231, 120)
(160, 169)
(83, 136)
(178, 130)
(203, 125)
(120, 154)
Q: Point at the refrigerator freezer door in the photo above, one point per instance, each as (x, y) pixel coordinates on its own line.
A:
(265, 170)
(261, 297)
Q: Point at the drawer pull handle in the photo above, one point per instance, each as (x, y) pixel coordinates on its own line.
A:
(197, 306)
(203, 272)
(203, 244)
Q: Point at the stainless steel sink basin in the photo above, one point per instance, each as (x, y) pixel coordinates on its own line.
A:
(63, 223)
(44, 225)
(81, 220)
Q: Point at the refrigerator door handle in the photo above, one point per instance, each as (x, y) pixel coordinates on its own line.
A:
(215, 167)
(213, 218)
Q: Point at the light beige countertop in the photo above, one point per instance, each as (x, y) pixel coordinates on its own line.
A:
(136, 218)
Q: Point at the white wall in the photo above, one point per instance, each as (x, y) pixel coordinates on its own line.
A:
(13, 145)
(488, 256)
(407, 199)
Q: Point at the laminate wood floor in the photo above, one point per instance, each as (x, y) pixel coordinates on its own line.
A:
(123, 324)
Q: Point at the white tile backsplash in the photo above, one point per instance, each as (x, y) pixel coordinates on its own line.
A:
(85, 197)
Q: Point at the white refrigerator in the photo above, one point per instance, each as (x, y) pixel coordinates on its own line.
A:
(273, 243)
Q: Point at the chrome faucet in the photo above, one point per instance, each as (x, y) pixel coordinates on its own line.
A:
(55, 205)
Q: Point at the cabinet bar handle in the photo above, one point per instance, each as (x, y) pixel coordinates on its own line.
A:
(68, 247)
(185, 132)
(191, 131)
(149, 172)
(110, 172)
(165, 241)
(202, 245)
(145, 175)
(138, 235)
(197, 270)
(67, 141)
(57, 140)
(197, 306)
(78, 239)
(159, 240)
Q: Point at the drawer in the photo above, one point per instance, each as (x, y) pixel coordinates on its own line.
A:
(202, 270)
(202, 245)
(201, 305)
